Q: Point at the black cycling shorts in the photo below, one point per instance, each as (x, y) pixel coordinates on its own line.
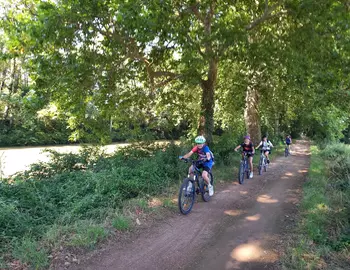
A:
(205, 168)
(249, 154)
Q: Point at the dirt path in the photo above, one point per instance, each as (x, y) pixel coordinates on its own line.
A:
(242, 227)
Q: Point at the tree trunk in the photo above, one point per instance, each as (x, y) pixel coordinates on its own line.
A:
(206, 122)
(251, 114)
(277, 124)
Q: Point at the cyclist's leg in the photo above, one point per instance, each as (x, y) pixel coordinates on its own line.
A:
(205, 176)
(190, 171)
(267, 152)
(250, 159)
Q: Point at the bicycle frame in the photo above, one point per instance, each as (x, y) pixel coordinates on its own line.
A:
(244, 168)
(286, 151)
(262, 161)
(197, 174)
(198, 181)
(245, 161)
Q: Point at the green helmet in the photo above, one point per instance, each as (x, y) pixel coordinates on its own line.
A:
(199, 139)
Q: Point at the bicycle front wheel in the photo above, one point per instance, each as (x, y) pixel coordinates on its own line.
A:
(241, 173)
(186, 196)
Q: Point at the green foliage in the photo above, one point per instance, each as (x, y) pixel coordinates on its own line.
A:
(325, 208)
(30, 252)
(121, 223)
(65, 194)
(121, 71)
(224, 145)
(86, 235)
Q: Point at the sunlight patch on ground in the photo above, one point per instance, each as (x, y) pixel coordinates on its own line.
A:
(252, 252)
(226, 191)
(155, 202)
(266, 199)
(233, 213)
(289, 174)
(303, 171)
(243, 192)
(247, 252)
(253, 218)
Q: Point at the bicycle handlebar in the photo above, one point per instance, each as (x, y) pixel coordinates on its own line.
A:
(245, 153)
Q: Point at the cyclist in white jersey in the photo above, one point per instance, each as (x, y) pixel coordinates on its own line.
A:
(266, 146)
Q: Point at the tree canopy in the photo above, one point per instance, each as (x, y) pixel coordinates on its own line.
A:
(113, 69)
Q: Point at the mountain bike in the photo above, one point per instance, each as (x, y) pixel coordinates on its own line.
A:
(262, 162)
(193, 186)
(286, 151)
(243, 168)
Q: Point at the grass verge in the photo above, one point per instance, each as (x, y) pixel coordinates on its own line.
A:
(322, 238)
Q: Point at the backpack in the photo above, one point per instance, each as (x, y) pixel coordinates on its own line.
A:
(212, 156)
(268, 144)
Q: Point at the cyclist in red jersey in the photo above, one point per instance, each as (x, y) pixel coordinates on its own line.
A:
(248, 148)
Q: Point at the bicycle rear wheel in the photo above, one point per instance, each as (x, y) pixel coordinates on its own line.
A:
(260, 166)
(241, 173)
(204, 188)
(186, 196)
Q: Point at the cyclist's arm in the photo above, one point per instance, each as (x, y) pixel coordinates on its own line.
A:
(253, 152)
(259, 145)
(239, 146)
(188, 154)
(271, 144)
(208, 156)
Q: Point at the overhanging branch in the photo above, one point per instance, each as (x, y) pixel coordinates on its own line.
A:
(267, 15)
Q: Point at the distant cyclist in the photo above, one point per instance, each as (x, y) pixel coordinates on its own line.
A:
(266, 146)
(247, 148)
(206, 157)
(288, 142)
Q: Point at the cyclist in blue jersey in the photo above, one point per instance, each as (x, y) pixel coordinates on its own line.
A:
(288, 141)
(206, 157)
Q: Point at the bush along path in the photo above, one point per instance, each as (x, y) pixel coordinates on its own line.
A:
(242, 227)
(77, 200)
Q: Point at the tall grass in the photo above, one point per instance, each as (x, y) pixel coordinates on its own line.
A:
(323, 240)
